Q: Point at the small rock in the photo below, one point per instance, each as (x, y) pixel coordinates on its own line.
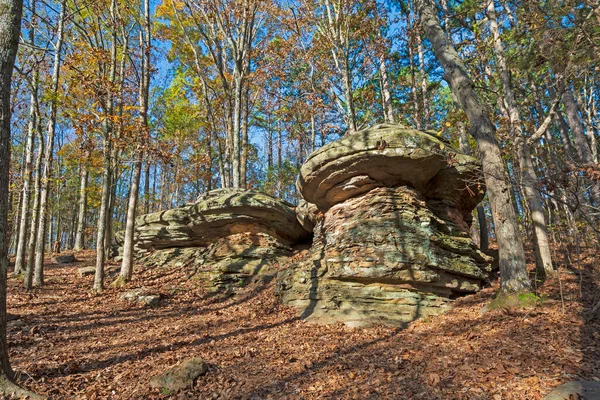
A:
(180, 376)
(151, 300)
(587, 390)
(86, 271)
(65, 259)
(132, 295)
(139, 296)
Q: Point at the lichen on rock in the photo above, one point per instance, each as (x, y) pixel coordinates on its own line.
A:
(392, 244)
(225, 237)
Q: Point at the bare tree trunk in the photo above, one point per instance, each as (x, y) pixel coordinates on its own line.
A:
(33, 234)
(80, 232)
(27, 174)
(145, 40)
(528, 174)
(245, 143)
(572, 111)
(107, 129)
(423, 76)
(147, 188)
(49, 154)
(483, 233)
(513, 269)
(237, 114)
(351, 113)
(388, 109)
(269, 143)
(10, 25)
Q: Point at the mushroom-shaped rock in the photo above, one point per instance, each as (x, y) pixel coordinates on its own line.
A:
(390, 155)
(393, 241)
(226, 236)
(217, 214)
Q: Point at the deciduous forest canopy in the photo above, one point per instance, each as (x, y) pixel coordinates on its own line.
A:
(120, 109)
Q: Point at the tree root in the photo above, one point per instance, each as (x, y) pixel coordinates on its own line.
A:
(11, 390)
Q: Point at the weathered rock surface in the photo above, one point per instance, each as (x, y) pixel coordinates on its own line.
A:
(307, 214)
(585, 390)
(392, 245)
(180, 376)
(140, 296)
(215, 215)
(86, 271)
(390, 155)
(224, 238)
(65, 259)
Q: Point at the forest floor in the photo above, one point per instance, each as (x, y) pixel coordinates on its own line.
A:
(70, 344)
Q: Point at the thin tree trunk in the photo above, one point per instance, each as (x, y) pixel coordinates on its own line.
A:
(237, 114)
(107, 128)
(80, 231)
(49, 154)
(528, 174)
(423, 77)
(483, 234)
(147, 188)
(27, 175)
(511, 255)
(388, 109)
(145, 40)
(35, 218)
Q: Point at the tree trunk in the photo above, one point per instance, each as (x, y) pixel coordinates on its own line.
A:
(528, 174)
(49, 154)
(586, 156)
(127, 264)
(27, 174)
(80, 231)
(35, 218)
(107, 129)
(423, 77)
(513, 269)
(237, 114)
(351, 113)
(388, 109)
(10, 25)
(483, 233)
(147, 188)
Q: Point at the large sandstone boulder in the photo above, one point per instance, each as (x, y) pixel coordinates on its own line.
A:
(217, 214)
(390, 155)
(224, 238)
(393, 243)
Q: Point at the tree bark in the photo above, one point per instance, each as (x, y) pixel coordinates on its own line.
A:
(514, 278)
(49, 154)
(10, 27)
(107, 128)
(388, 109)
(481, 220)
(27, 174)
(127, 263)
(529, 177)
(80, 231)
(35, 218)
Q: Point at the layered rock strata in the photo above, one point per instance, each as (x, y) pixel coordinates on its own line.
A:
(391, 241)
(225, 237)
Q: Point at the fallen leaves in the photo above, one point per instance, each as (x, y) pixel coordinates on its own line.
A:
(74, 346)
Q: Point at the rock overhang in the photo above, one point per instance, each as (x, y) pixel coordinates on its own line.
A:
(390, 155)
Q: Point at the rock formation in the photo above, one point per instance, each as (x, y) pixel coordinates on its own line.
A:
(391, 241)
(226, 236)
